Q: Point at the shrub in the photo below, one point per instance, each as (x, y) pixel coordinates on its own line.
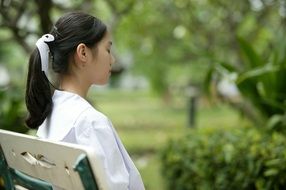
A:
(243, 158)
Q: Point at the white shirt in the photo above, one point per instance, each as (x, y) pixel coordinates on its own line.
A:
(74, 120)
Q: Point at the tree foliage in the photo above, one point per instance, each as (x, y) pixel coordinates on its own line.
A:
(173, 43)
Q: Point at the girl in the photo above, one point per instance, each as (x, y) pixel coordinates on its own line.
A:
(79, 46)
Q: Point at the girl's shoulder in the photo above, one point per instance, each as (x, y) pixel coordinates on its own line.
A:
(92, 118)
(90, 114)
(77, 109)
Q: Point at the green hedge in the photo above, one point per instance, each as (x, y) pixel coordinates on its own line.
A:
(242, 158)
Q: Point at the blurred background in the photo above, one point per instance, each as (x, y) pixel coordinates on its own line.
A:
(198, 94)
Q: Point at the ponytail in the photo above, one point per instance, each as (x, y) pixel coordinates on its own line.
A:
(38, 93)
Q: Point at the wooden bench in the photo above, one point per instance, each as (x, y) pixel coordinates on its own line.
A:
(27, 162)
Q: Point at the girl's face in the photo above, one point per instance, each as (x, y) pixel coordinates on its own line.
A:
(99, 63)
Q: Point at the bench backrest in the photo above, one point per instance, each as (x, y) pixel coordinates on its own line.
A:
(41, 164)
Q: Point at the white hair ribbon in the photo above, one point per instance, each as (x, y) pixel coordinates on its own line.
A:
(44, 50)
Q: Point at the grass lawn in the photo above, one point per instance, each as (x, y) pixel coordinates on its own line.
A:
(145, 123)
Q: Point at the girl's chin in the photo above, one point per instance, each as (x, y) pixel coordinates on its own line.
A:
(102, 83)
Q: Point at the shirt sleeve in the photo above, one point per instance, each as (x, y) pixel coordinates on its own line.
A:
(94, 130)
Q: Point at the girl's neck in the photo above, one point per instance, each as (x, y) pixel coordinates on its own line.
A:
(73, 84)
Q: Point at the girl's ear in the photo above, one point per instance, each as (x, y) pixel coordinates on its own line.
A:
(81, 52)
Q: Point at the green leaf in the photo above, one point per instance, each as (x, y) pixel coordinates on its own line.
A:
(259, 71)
(275, 120)
(251, 55)
(270, 172)
(229, 67)
(273, 162)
